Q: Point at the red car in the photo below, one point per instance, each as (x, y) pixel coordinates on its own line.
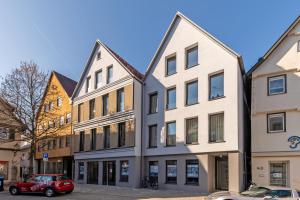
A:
(48, 184)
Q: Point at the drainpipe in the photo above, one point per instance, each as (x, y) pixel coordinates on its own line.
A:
(142, 126)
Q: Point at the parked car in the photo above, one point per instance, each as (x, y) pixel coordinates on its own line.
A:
(48, 184)
(258, 193)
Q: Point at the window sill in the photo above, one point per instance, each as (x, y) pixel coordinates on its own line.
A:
(192, 184)
(171, 183)
(170, 146)
(195, 143)
(167, 109)
(281, 131)
(187, 105)
(152, 147)
(216, 98)
(189, 67)
(152, 113)
(269, 94)
(167, 75)
(213, 142)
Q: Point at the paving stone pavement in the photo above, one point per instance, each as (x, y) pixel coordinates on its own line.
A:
(99, 192)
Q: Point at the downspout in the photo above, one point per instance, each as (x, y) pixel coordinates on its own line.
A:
(142, 141)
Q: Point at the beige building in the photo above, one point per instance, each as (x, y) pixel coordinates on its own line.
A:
(107, 121)
(193, 129)
(275, 113)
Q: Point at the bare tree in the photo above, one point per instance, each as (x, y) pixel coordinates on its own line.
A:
(23, 89)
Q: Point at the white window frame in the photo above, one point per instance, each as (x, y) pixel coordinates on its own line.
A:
(274, 78)
(61, 120)
(59, 101)
(98, 83)
(269, 116)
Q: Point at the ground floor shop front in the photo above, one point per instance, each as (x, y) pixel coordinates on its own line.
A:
(276, 169)
(59, 165)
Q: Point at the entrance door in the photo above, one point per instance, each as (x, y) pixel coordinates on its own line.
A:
(92, 172)
(221, 167)
(109, 173)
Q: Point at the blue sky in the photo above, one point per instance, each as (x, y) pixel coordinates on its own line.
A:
(59, 34)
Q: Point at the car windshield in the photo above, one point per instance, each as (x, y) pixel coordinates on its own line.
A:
(62, 178)
(255, 192)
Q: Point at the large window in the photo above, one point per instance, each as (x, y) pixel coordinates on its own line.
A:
(192, 172)
(124, 170)
(171, 133)
(80, 170)
(120, 100)
(92, 109)
(93, 140)
(153, 103)
(192, 57)
(121, 134)
(171, 98)
(191, 130)
(191, 93)
(153, 136)
(81, 141)
(276, 122)
(171, 66)
(171, 171)
(88, 84)
(279, 174)
(109, 77)
(216, 86)
(277, 85)
(98, 78)
(79, 113)
(105, 104)
(106, 137)
(216, 127)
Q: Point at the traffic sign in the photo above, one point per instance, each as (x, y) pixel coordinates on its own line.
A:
(45, 157)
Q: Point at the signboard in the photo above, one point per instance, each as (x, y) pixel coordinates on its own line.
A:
(45, 157)
(294, 141)
(171, 171)
(192, 171)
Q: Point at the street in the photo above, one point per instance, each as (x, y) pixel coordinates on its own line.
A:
(99, 192)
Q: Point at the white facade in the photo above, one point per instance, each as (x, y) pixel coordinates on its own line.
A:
(213, 58)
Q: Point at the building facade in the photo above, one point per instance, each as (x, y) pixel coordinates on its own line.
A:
(193, 128)
(275, 112)
(54, 129)
(107, 121)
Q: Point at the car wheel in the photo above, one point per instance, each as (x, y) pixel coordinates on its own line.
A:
(14, 190)
(68, 192)
(49, 192)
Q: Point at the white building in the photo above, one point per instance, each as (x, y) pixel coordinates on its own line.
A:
(193, 129)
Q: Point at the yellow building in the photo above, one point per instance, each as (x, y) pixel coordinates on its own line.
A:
(54, 131)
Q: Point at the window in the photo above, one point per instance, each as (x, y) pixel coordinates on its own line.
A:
(68, 141)
(120, 100)
(61, 142)
(124, 170)
(46, 108)
(81, 141)
(192, 172)
(88, 84)
(106, 137)
(59, 101)
(121, 134)
(277, 85)
(51, 105)
(276, 122)
(80, 170)
(171, 171)
(192, 57)
(216, 127)
(191, 131)
(216, 86)
(279, 174)
(171, 98)
(171, 66)
(92, 109)
(105, 104)
(153, 103)
(298, 49)
(99, 55)
(54, 144)
(79, 112)
(68, 120)
(50, 146)
(50, 124)
(191, 93)
(153, 136)
(153, 170)
(93, 140)
(109, 77)
(61, 120)
(171, 133)
(98, 78)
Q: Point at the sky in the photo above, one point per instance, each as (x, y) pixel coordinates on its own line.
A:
(59, 34)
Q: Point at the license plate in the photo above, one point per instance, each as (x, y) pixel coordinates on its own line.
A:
(66, 183)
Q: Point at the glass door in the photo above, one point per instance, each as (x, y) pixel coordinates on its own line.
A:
(221, 170)
(109, 173)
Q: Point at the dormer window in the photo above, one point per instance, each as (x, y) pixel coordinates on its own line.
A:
(87, 86)
(99, 55)
(298, 46)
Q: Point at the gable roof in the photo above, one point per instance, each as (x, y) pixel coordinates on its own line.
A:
(180, 15)
(67, 83)
(274, 46)
(129, 68)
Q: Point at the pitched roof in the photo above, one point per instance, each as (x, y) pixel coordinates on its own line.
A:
(129, 68)
(274, 46)
(180, 15)
(67, 83)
